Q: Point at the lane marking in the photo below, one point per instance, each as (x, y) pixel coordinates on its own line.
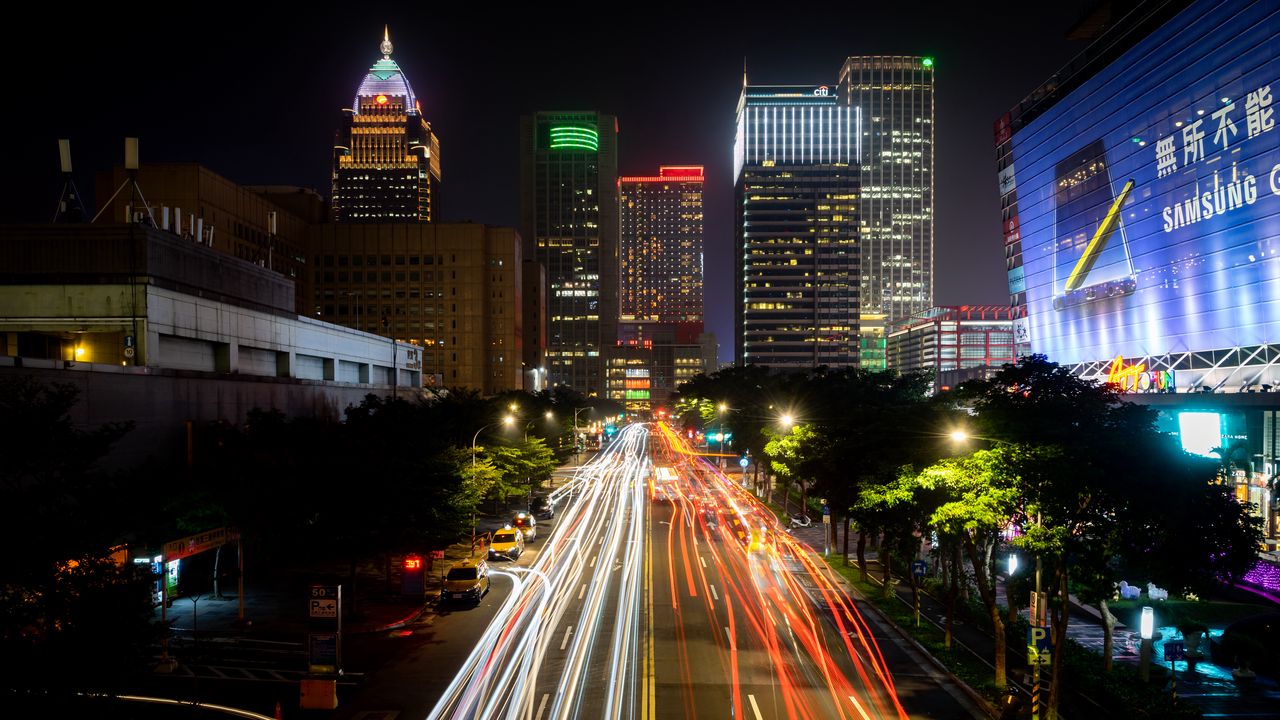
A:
(565, 642)
(702, 560)
(754, 707)
(582, 591)
(593, 560)
(542, 706)
(713, 592)
(858, 706)
(728, 635)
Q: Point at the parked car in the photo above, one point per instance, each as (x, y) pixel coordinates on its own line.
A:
(506, 543)
(468, 580)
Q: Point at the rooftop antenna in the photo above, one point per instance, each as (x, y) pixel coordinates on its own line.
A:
(130, 181)
(744, 71)
(69, 207)
(385, 47)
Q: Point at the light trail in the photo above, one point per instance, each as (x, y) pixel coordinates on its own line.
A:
(822, 659)
(569, 631)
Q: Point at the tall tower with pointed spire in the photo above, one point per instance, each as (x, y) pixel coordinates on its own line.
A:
(386, 159)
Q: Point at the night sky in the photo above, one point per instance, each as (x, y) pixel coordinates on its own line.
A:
(255, 94)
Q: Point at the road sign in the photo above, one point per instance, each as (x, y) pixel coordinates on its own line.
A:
(325, 602)
(1174, 650)
(743, 462)
(323, 608)
(919, 568)
(826, 519)
(1039, 645)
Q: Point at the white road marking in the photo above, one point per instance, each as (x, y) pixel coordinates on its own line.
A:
(565, 642)
(542, 706)
(593, 560)
(702, 560)
(858, 706)
(583, 591)
(728, 635)
(754, 707)
(713, 592)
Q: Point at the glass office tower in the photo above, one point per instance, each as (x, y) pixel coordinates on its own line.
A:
(569, 223)
(796, 235)
(894, 94)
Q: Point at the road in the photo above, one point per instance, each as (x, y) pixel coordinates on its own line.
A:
(566, 641)
(666, 590)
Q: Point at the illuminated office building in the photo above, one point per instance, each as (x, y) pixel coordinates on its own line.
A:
(569, 222)
(953, 344)
(386, 159)
(1141, 224)
(661, 246)
(894, 94)
(796, 231)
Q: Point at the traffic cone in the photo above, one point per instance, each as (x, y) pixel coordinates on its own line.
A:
(279, 712)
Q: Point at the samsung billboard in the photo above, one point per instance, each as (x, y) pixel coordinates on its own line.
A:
(1149, 197)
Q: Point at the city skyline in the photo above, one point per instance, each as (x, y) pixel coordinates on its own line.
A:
(679, 105)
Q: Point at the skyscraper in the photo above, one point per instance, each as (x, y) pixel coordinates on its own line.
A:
(569, 222)
(796, 235)
(386, 159)
(894, 95)
(661, 246)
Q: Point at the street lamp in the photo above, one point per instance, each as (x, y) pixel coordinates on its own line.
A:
(787, 421)
(575, 427)
(548, 415)
(959, 436)
(505, 421)
(509, 419)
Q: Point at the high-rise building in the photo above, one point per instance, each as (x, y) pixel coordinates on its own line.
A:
(569, 221)
(386, 159)
(894, 95)
(796, 234)
(660, 246)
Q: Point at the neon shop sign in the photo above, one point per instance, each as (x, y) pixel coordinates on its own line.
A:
(1136, 378)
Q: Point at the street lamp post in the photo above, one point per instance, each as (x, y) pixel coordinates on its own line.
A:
(509, 419)
(575, 427)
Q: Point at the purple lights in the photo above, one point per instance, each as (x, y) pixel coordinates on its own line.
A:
(1264, 575)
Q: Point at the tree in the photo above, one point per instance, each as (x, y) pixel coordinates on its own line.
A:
(979, 497)
(67, 588)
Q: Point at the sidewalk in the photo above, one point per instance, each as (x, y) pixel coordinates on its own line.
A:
(1211, 687)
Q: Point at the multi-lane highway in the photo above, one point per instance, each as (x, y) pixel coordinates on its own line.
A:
(666, 590)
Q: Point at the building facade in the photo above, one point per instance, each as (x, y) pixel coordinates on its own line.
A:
(454, 290)
(194, 202)
(660, 246)
(894, 96)
(972, 338)
(159, 331)
(1140, 191)
(650, 361)
(796, 229)
(569, 220)
(386, 159)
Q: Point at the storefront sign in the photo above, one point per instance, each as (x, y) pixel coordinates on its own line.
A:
(1136, 378)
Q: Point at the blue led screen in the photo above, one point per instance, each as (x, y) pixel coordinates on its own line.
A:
(1149, 196)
